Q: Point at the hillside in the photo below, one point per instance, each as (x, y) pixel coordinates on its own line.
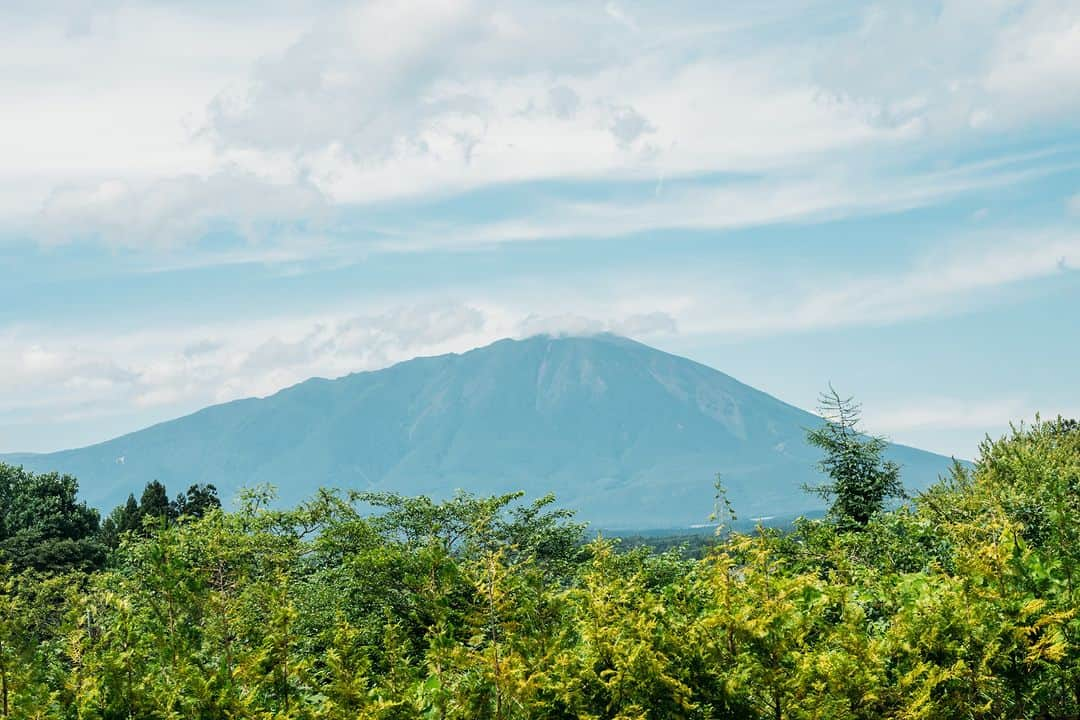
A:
(626, 434)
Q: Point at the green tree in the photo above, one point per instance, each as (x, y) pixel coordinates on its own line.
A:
(123, 518)
(861, 480)
(198, 500)
(13, 638)
(155, 504)
(43, 525)
(380, 607)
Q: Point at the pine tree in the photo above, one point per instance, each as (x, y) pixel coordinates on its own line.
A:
(860, 479)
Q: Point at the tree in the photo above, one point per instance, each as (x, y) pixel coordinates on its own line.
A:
(963, 604)
(43, 525)
(154, 502)
(123, 518)
(197, 501)
(12, 639)
(861, 480)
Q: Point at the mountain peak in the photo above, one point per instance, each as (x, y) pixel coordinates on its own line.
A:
(626, 434)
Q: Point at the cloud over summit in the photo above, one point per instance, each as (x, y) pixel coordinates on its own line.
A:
(200, 201)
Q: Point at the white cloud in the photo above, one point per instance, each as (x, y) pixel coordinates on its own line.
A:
(944, 67)
(170, 371)
(563, 101)
(636, 325)
(116, 109)
(119, 99)
(946, 424)
(1032, 71)
(947, 414)
(451, 103)
(156, 374)
(57, 380)
(952, 280)
(955, 426)
(757, 301)
(619, 15)
(628, 125)
(732, 204)
(1072, 204)
(177, 210)
(443, 106)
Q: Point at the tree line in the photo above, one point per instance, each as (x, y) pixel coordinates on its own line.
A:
(958, 603)
(45, 527)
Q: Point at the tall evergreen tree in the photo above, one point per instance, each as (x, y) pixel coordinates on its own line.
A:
(861, 480)
(198, 500)
(155, 502)
(123, 518)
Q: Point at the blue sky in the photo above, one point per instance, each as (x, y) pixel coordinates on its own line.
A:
(199, 204)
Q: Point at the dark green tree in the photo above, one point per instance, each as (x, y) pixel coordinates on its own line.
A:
(43, 525)
(123, 518)
(861, 480)
(154, 502)
(198, 500)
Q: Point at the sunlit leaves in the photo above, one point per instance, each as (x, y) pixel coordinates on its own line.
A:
(380, 607)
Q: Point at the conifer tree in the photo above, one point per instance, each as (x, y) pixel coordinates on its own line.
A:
(861, 480)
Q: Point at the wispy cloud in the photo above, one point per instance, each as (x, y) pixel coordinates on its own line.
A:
(1072, 204)
(735, 204)
(46, 375)
(935, 413)
(964, 276)
(198, 139)
(358, 103)
(179, 210)
(959, 65)
(947, 424)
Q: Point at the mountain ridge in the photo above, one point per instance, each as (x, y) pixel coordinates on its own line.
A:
(628, 435)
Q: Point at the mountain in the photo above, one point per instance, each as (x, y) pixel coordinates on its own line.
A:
(630, 436)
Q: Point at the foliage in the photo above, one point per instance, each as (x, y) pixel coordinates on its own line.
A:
(860, 479)
(43, 525)
(155, 508)
(377, 606)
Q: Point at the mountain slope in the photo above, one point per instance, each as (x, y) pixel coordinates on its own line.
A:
(628, 435)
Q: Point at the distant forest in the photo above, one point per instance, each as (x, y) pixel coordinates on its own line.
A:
(959, 603)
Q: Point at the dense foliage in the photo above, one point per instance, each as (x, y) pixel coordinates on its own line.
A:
(154, 508)
(962, 604)
(43, 525)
